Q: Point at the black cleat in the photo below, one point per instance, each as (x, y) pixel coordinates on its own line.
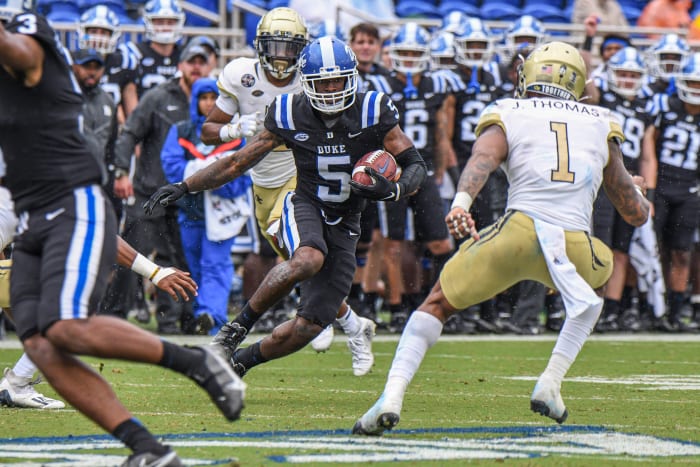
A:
(225, 387)
(229, 337)
(149, 459)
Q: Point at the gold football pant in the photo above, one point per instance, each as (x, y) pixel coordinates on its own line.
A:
(509, 252)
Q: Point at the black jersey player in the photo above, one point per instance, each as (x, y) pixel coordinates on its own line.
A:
(328, 127)
(66, 244)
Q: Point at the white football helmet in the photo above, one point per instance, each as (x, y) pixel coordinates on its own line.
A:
(10, 8)
(409, 49)
(689, 73)
(626, 72)
(157, 10)
(474, 45)
(666, 55)
(99, 30)
(442, 51)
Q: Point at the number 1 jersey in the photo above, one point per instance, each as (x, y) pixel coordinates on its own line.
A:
(557, 151)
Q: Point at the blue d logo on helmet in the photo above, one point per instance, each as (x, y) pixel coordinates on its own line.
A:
(323, 59)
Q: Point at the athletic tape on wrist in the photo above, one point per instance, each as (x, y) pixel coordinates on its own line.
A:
(462, 200)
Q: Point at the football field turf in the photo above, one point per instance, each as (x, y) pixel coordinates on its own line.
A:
(631, 399)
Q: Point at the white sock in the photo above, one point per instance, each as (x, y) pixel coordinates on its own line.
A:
(421, 332)
(571, 338)
(350, 323)
(24, 367)
(575, 331)
(557, 367)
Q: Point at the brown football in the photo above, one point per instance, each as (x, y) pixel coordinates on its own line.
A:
(381, 161)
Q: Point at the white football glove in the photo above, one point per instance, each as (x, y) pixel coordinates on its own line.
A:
(243, 127)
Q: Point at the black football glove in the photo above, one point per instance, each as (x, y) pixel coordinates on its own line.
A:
(165, 196)
(382, 189)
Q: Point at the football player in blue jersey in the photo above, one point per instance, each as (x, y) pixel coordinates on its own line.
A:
(328, 127)
(425, 104)
(66, 243)
(674, 141)
(623, 91)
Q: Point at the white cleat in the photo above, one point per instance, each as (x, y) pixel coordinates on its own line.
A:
(360, 346)
(384, 415)
(546, 400)
(323, 341)
(16, 391)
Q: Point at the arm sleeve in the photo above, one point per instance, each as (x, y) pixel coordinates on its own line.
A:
(413, 170)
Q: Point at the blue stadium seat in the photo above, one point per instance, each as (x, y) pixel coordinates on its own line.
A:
(569, 11)
(117, 6)
(546, 13)
(417, 8)
(500, 11)
(198, 21)
(516, 3)
(276, 3)
(631, 13)
(469, 9)
(64, 12)
(43, 6)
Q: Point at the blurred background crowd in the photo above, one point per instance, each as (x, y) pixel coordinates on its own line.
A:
(146, 66)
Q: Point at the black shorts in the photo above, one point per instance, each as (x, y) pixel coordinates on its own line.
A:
(304, 224)
(609, 226)
(62, 259)
(676, 217)
(428, 220)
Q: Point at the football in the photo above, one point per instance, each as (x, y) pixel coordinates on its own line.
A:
(381, 161)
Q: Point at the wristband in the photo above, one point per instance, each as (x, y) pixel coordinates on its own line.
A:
(588, 44)
(462, 200)
(145, 267)
(161, 273)
(650, 194)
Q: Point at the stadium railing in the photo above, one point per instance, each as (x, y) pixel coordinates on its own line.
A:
(232, 36)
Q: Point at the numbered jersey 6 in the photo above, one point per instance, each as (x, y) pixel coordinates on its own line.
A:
(418, 113)
(557, 152)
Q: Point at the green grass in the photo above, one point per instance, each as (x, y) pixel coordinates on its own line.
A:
(305, 404)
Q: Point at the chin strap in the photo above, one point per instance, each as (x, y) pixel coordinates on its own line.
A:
(410, 91)
(474, 85)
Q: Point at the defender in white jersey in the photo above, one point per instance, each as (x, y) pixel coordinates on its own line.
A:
(248, 86)
(556, 153)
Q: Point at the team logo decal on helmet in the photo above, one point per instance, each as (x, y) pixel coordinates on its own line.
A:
(554, 70)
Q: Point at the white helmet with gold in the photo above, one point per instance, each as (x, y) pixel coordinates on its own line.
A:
(554, 69)
(279, 38)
